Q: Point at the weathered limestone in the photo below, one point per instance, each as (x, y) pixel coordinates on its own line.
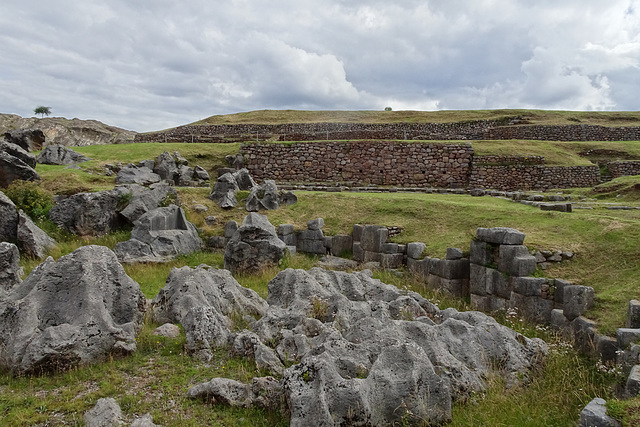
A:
(132, 174)
(254, 246)
(10, 271)
(60, 155)
(224, 191)
(75, 311)
(12, 169)
(595, 415)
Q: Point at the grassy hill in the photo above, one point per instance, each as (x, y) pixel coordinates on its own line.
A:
(538, 117)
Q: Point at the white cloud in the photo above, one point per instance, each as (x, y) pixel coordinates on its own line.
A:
(153, 64)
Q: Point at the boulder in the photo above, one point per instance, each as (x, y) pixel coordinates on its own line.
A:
(17, 151)
(264, 392)
(106, 413)
(27, 139)
(8, 219)
(254, 246)
(10, 271)
(200, 173)
(75, 311)
(595, 415)
(60, 155)
(91, 214)
(500, 236)
(132, 174)
(235, 161)
(166, 167)
(224, 191)
(263, 197)
(158, 236)
(336, 263)
(244, 179)
(33, 241)
(288, 198)
(168, 330)
(12, 169)
(145, 199)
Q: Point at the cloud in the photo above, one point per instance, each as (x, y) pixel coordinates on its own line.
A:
(154, 64)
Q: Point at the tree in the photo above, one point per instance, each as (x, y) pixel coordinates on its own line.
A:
(42, 110)
(387, 108)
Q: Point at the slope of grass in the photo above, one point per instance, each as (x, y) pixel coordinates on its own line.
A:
(544, 117)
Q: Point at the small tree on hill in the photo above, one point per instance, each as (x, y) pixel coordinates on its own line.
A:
(42, 110)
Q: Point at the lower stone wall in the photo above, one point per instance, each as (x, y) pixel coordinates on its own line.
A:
(624, 168)
(362, 163)
(536, 177)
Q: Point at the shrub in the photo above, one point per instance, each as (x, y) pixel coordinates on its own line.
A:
(31, 198)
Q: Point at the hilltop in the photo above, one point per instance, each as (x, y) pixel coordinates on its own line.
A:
(70, 132)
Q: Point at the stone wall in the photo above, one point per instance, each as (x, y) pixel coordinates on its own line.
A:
(624, 168)
(362, 163)
(469, 130)
(539, 178)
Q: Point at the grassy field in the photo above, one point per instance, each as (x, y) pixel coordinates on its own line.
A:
(157, 377)
(538, 117)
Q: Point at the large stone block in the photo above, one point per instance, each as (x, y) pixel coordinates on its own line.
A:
(633, 314)
(315, 224)
(478, 280)
(559, 293)
(391, 260)
(577, 300)
(500, 236)
(483, 253)
(584, 332)
(373, 237)
(515, 260)
(528, 286)
(627, 336)
(372, 256)
(595, 414)
(532, 308)
(632, 387)
(341, 244)
(454, 269)
(358, 252)
(389, 248)
(558, 321)
(456, 287)
(415, 250)
(356, 234)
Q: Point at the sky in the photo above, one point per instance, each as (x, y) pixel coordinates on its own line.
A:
(153, 64)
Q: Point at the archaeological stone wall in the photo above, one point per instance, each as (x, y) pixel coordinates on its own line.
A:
(362, 163)
(624, 168)
(536, 177)
(468, 130)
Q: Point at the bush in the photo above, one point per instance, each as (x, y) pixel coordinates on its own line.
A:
(31, 198)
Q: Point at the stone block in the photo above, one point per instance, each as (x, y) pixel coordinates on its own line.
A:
(607, 348)
(483, 253)
(584, 331)
(558, 321)
(285, 229)
(456, 287)
(577, 300)
(288, 239)
(500, 236)
(292, 249)
(433, 281)
(418, 267)
(311, 246)
(454, 253)
(217, 242)
(515, 260)
(478, 280)
(595, 415)
(389, 248)
(373, 237)
(495, 303)
(454, 269)
(632, 387)
(415, 250)
(341, 245)
(633, 314)
(402, 249)
(372, 256)
(559, 293)
(310, 235)
(315, 224)
(358, 252)
(391, 260)
(626, 336)
(528, 286)
(479, 302)
(435, 266)
(230, 228)
(532, 308)
(328, 242)
(356, 234)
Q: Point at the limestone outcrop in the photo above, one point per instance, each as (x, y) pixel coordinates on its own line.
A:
(60, 155)
(73, 311)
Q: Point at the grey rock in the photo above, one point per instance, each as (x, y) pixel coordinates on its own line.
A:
(248, 344)
(200, 208)
(230, 228)
(373, 237)
(205, 327)
(10, 272)
(633, 314)
(210, 220)
(147, 163)
(265, 392)
(145, 199)
(263, 197)
(627, 336)
(77, 310)
(356, 234)
(577, 300)
(315, 224)
(236, 161)
(13, 169)
(454, 254)
(217, 242)
(500, 236)
(168, 330)
(158, 236)
(224, 191)
(185, 176)
(27, 139)
(200, 173)
(204, 286)
(254, 246)
(8, 219)
(90, 214)
(131, 174)
(341, 244)
(515, 260)
(166, 167)
(477, 192)
(145, 421)
(244, 179)
(595, 415)
(18, 152)
(60, 155)
(33, 241)
(287, 198)
(632, 386)
(106, 413)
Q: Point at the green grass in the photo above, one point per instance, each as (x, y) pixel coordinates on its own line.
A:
(546, 117)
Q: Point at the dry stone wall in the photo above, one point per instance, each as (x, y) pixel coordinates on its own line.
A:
(362, 163)
(537, 177)
(565, 133)
(624, 168)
